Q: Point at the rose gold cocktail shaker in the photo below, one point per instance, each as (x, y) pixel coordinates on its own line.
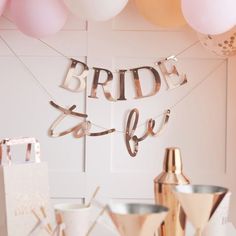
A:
(172, 175)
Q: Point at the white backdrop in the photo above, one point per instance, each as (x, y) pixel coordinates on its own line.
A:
(203, 125)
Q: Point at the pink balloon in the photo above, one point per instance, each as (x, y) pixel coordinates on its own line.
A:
(38, 18)
(210, 16)
(3, 4)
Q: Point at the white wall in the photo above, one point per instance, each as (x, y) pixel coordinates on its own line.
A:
(203, 125)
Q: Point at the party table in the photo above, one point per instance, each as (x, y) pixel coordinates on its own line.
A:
(100, 229)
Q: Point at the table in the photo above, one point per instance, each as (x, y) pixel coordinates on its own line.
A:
(101, 230)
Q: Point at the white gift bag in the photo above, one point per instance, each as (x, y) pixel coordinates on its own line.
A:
(24, 192)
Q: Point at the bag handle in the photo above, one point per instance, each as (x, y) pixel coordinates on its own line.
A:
(20, 141)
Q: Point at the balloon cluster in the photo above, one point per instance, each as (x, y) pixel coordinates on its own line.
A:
(204, 16)
(40, 18)
(214, 20)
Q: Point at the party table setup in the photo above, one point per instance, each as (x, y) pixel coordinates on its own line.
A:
(118, 117)
(205, 206)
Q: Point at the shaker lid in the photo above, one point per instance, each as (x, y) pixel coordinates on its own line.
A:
(172, 168)
(172, 160)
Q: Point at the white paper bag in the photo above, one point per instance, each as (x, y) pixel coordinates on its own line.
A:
(24, 192)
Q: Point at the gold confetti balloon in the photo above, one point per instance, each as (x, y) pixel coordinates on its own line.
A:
(223, 45)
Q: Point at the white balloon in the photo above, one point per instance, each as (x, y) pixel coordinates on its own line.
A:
(97, 10)
(210, 16)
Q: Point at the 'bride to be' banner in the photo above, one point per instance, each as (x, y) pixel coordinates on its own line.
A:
(167, 70)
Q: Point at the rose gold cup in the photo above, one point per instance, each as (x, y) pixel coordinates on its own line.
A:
(136, 219)
(200, 203)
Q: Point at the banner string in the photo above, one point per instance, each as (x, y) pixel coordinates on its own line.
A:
(54, 49)
(63, 55)
(187, 48)
(49, 95)
(44, 89)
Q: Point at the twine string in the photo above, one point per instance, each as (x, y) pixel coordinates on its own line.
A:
(38, 82)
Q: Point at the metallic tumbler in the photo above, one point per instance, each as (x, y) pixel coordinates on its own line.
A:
(175, 222)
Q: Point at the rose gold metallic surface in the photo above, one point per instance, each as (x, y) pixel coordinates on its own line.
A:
(174, 224)
(79, 130)
(199, 202)
(136, 219)
(72, 73)
(132, 140)
(171, 73)
(122, 85)
(138, 89)
(105, 85)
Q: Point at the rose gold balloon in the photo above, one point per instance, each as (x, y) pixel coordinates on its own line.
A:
(163, 13)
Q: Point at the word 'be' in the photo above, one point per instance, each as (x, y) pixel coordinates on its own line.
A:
(132, 140)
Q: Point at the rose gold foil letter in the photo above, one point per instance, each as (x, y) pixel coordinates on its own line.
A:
(152, 123)
(132, 140)
(65, 112)
(138, 89)
(170, 73)
(78, 131)
(105, 85)
(129, 132)
(122, 85)
(72, 73)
